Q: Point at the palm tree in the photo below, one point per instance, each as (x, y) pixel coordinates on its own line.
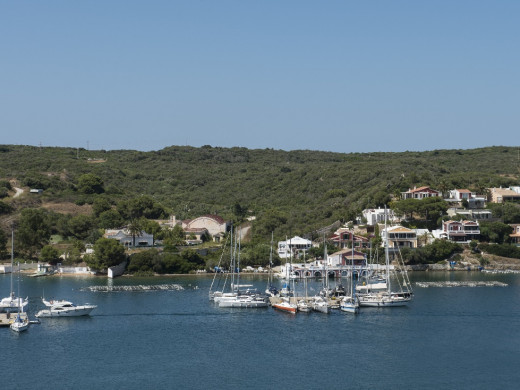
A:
(135, 228)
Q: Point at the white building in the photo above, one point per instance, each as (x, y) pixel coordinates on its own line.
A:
(375, 216)
(296, 245)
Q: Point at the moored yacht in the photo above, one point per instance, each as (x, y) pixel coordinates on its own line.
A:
(62, 308)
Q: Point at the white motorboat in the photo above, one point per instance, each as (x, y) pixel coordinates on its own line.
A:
(12, 303)
(62, 308)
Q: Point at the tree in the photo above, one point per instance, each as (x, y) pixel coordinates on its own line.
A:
(135, 228)
(3, 242)
(50, 255)
(90, 184)
(107, 253)
(33, 230)
(5, 208)
(143, 206)
(497, 232)
(80, 226)
(146, 261)
(110, 219)
(153, 228)
(172, 237)
(100, 205)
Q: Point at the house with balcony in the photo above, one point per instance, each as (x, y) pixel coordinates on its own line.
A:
(295, 245)
(460, 194)
(399, 237)
(343, 238)
(461, 231)
(420, 193)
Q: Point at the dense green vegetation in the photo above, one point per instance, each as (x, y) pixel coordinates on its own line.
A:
(296, 192)
(433, 253)
(503, 250)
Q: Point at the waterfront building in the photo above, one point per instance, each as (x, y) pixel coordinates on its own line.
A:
(343, 238)
(296, 245)
(345, 256)
(399, 237)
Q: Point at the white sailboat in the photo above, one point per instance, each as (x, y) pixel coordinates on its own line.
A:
(236, 298)
(350, 303)
(19, 324)
(388, 298)
(271, 290)
(321, 303)
(12, 303)
(303, 304)
(285, 304)
(217, 270)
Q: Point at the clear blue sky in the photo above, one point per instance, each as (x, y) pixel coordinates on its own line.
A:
(344, 76)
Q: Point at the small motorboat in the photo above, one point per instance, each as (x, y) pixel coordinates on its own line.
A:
(62, 308)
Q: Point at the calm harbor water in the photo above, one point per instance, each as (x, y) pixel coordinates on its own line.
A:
(448, 338)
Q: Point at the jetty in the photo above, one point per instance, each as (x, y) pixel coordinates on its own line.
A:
(489, 283)
(7, 318)
(139, 287)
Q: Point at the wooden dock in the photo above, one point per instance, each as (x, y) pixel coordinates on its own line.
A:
(7, 318)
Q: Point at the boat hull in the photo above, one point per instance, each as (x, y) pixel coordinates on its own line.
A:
(242, 303)
(325, 309)
(19, 326)
(384, 302)
(286, 308)
(76, 312)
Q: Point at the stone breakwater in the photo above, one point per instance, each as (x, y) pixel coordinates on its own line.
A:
(139, 287)
(462, 284)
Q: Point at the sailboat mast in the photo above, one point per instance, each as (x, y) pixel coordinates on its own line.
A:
(238, 260)
(270, 278)
(352, 268)
(231, 263)
(387, 259)
(325, 265)
(12, 259)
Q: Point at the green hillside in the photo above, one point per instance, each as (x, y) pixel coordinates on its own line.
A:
(291, 192)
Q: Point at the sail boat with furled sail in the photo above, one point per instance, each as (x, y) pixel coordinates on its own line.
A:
(12, 303)
(350, 303)
(388, 298)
